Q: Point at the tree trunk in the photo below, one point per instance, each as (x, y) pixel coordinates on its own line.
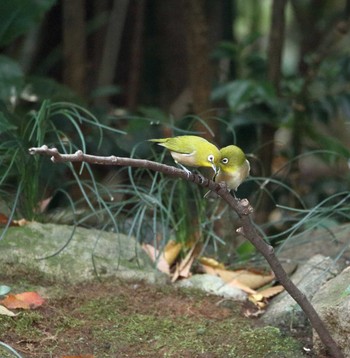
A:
(74, 45)
(100, 10)
(170, 39)
(136, 55)
(199, 68)
(275, 50)
(112, 46)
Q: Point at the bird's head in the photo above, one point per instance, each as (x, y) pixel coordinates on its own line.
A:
(209, 156)
(232, 158)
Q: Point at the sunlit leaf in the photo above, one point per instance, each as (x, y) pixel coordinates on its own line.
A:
(211, 262)
(171, 251)
(233, 282)
(260, 298)
(249, 278)
(271, 291)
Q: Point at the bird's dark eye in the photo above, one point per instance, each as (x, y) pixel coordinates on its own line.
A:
(224, 160)
(211, 158)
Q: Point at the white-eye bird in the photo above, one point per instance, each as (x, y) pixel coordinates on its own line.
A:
(233, 168)
(192, 151)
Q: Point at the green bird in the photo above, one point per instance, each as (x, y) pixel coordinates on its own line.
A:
(192, 151)
(233, 168)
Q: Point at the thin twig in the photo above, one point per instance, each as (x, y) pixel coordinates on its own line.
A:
(241, 207)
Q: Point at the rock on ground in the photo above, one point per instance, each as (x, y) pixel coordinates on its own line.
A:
(213, 285)
(331, 242)
(283, 311)
(332, 302)
(76, 254)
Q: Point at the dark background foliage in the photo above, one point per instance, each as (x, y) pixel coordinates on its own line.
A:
(270, 76)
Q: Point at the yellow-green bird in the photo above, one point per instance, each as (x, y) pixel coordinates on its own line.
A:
(192, 151)
(233, 168)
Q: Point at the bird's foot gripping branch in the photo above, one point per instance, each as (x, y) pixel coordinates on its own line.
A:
(241, 207)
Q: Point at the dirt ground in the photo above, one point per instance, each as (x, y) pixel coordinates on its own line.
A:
(133, 319)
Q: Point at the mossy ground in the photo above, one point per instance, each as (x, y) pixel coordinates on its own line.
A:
(133, 319)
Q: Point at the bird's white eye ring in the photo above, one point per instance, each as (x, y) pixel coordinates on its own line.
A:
(211, 158)
(224, 160)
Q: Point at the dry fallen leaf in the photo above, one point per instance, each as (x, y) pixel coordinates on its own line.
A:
(207, 261)
(20, 222)
(171, 251)
(3, 219)
(253, 312)
(184, 267)
(43, 204)
(153, 253)
(271, 291)
(5, 312)
(25, 300)
(260, 298)
(231, 282)
(248, 278)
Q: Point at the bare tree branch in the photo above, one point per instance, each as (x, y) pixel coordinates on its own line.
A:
(241, 207)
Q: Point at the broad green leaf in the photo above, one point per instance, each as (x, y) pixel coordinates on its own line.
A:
(221, 92)
(19, 16)
(241, 93)
(245, 250)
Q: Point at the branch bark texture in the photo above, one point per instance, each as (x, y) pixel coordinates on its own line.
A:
(241, 207)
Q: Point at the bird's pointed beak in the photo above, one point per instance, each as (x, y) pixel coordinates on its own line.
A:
(215, 168)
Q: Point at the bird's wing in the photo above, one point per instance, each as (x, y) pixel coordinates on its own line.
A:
(180, 146)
